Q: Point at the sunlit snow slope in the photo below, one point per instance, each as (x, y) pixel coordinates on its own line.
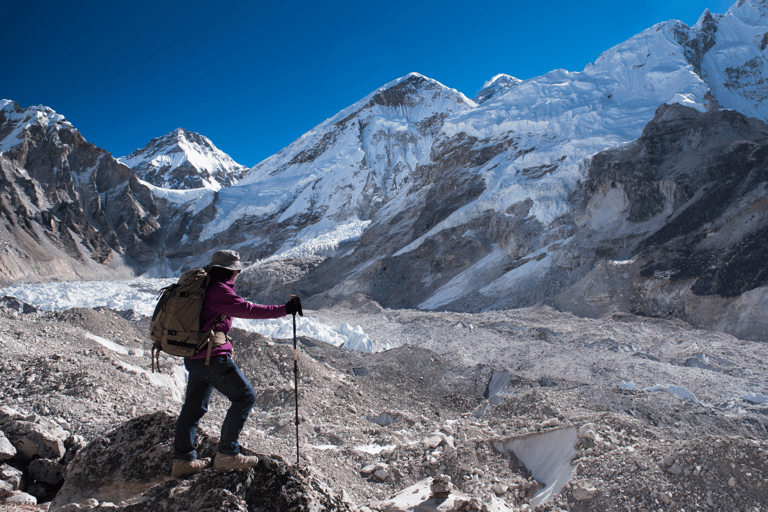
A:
(184, 160)
(427, 196)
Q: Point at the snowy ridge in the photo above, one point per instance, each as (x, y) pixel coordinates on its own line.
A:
(349, 169)
(563, 118)
(736, 67)
(182, 160)
(321, 239)
(496, 86)
(329, 170)
(370, 162)
(24, 119)
(195, 199)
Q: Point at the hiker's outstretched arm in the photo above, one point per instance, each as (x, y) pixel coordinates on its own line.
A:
(222, 300)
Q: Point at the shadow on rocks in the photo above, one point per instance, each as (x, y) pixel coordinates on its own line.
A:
(129, 469)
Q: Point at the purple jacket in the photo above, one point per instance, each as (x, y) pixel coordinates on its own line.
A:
(221, 299)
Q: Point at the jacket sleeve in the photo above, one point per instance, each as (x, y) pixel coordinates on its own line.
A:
(222, 300)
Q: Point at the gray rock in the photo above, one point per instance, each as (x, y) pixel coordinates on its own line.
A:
(46, 470)
(131, 466)
(32, 440)
(7, 450)
(73, 444)
(441, 486)
(675, 469)
(584, 492)
(383, 419)
(11, 475)
(21, 498)
(9, 413)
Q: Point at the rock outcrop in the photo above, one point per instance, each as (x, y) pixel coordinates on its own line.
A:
(129, 469)
(674, 220)
(33, 453)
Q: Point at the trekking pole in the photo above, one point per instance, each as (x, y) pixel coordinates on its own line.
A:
(296, 385)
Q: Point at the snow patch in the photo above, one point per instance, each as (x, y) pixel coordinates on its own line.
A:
(111, 345)
(547, 456)
(679, 391)
(175, 381)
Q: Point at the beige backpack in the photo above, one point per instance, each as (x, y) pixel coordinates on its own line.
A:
(175, 326)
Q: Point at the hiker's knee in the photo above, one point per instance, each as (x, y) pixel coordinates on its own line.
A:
(250, 396)
(247, 396)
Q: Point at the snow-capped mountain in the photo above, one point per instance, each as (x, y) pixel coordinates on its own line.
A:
(568, 188)
(69, 209)
(484, 208)
(730, 52)
(184, 160)
(495, 86)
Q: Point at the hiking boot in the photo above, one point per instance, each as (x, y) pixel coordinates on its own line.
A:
(184, 468)
(237, 462)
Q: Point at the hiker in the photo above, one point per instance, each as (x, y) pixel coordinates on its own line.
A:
(220, 306)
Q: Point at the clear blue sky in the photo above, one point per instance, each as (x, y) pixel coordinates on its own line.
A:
(254, 76)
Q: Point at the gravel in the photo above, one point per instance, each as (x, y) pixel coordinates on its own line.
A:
(374, 424)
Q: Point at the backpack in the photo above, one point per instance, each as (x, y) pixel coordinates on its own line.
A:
(175, 325)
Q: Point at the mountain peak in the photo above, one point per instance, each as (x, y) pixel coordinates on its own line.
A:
(18, 121)
(183, 159)
(415, 88)
(495, 86)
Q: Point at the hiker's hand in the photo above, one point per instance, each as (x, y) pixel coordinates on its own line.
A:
(293, 306)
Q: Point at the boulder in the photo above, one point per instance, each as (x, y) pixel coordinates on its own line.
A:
(73, 444)
(6, 489)
(46, 470)
(7, 450)
(33, 440)
(9, 414)
(11, 475)
(21, 498)
(131, 466)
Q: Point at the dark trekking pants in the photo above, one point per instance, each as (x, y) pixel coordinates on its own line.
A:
(224, 376)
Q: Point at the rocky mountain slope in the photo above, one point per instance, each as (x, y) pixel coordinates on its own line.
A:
(482, 398)
(70, 210)
(184, 160)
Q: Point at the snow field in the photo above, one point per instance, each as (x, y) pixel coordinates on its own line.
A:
(141, 296)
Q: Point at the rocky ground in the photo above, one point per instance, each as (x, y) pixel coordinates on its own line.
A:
(458, 389)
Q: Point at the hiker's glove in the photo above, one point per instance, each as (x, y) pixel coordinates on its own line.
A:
(293, 306)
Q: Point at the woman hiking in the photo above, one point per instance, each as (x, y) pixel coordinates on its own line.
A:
(221, 305)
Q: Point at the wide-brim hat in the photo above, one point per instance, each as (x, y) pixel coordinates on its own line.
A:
(227, 259)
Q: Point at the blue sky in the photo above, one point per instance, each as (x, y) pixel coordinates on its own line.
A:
(254, 76)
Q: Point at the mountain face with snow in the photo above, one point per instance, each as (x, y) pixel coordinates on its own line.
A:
(69, 210)
(595, 191)
(184, 160)
(495, 86)
(493, 214)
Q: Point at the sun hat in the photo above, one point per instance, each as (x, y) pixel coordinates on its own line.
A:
(227, 259)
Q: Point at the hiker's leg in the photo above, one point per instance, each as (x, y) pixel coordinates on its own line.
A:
(235, 386)
(198, 396)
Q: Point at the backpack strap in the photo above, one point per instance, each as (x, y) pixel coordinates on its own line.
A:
(155, 356)
(210, 347)
(211, 337)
